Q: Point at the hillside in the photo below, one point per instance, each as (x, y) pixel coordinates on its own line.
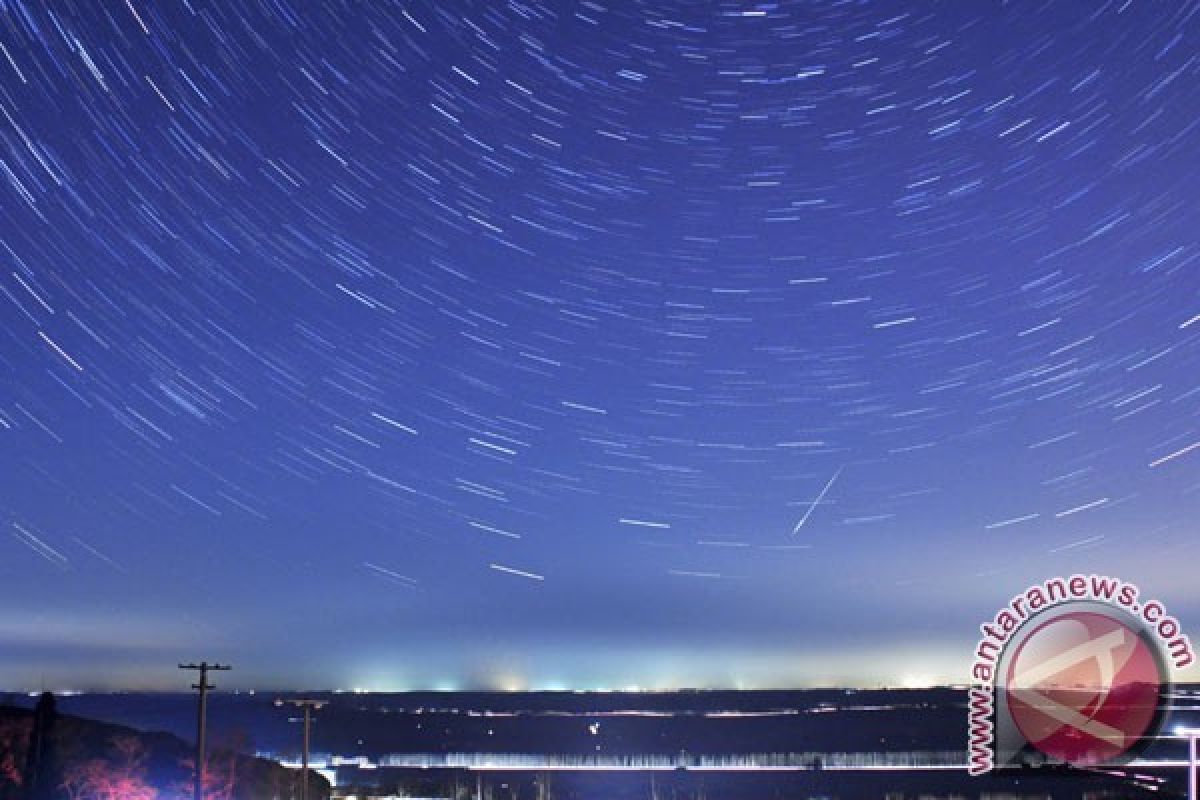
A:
(84, 759)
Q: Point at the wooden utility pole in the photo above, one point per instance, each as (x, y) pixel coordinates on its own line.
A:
(201, 717)
(308, 706)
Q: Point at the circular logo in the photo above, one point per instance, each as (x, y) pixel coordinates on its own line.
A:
(1084, 687)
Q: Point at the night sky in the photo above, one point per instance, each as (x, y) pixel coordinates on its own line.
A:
(582, 344)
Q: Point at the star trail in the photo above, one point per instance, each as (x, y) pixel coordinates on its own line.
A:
(583, 344)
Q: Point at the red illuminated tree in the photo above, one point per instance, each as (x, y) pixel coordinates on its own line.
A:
(221, 769)
(121, 777)
(14, 740)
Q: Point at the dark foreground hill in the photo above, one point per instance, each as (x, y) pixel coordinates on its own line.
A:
(47, 756)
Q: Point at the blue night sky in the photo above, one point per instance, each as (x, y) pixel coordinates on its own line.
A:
(586, 344)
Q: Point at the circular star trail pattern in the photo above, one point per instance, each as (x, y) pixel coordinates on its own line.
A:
(582, 343)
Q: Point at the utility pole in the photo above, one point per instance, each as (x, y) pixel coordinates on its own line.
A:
(201, 717)
(1192, 735)
(308, 706)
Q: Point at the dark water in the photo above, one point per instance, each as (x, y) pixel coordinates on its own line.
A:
(817, 732)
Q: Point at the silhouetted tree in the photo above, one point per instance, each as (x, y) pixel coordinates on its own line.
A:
(40, 777)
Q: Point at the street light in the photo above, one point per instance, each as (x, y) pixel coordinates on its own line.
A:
(309, 706)
(1192, 735)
